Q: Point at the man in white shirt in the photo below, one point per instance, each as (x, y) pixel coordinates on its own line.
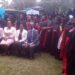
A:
(32, 42)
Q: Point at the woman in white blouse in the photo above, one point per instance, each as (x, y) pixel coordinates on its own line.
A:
(9, 34)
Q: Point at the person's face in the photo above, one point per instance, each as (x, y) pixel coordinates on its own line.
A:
(27, 23)
(32, 26)
(37, 24)
(21, 16)
(15, 25)
(35, 18)
(9, 24)
(73, 23)
(21, 27)
(29, 17)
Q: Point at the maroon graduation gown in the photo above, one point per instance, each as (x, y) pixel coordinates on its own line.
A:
(63, 52)
(71, 52)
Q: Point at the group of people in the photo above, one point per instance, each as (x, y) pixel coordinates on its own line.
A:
(10, 35)
(51, 34)
(66, 46)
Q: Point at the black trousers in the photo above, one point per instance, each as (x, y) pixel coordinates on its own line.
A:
(15, 49)
(30, 51)
(18, 49)
(3, 49)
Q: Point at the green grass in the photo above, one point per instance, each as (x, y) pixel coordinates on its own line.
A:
(43, 64)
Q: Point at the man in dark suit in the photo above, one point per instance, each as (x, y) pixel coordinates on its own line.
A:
(32, 41)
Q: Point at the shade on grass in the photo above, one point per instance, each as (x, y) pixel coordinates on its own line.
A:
(43, 64)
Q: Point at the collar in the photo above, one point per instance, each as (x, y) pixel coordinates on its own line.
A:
(71, 30)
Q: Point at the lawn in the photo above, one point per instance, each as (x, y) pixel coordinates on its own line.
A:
(43, 64)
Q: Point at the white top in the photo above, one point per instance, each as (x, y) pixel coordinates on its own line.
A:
(1, 33)
(9, 33)
(24, 35)
(60, 41)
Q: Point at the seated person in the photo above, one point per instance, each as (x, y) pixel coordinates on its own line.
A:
(8, 35)
(1, 33)
(21, 35)
(20, 38)
(32, 41)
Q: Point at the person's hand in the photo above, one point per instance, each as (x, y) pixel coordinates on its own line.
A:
(16, 42)
(5, 38)
(26, 45)
(32, 45)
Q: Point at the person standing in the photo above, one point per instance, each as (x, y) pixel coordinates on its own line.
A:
(71, 50)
